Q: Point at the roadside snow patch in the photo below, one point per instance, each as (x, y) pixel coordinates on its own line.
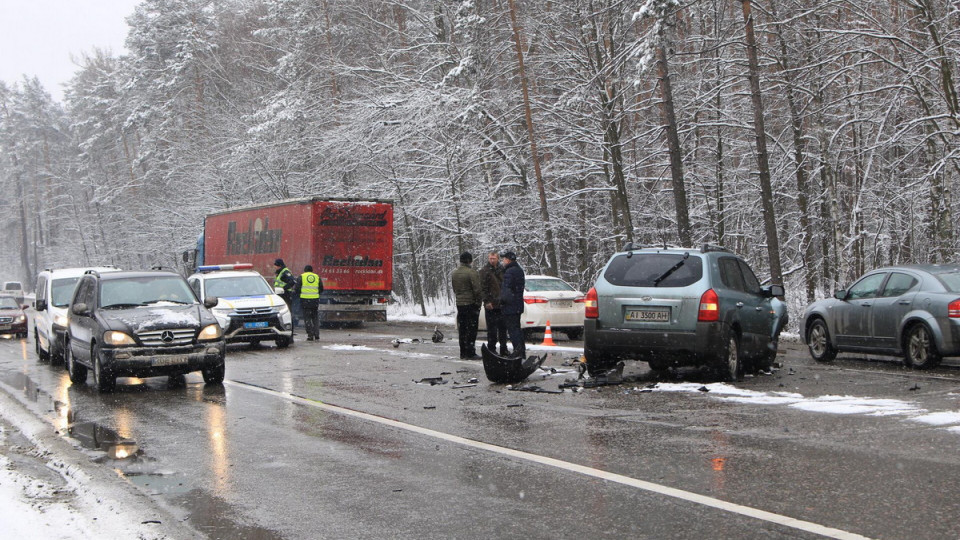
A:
(348, 348)
(939, 418)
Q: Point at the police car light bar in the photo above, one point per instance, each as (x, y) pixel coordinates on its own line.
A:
(216, 267)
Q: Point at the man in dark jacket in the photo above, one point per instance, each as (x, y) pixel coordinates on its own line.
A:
(491, 278)
(511, 301)
(284, 278)
(466, 287)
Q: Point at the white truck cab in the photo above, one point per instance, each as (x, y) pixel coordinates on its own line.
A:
(248, 308)
(53, 293)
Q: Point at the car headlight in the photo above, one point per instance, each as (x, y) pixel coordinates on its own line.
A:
(210, 331)
(117, 338)
(60, 320)
(223, 311)
(283, 309)
(20, 319)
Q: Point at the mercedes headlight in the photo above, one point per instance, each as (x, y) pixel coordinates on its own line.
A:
(117, 338)
(210, 331)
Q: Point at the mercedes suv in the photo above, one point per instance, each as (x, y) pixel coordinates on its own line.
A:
(140, 324)
(675, 306)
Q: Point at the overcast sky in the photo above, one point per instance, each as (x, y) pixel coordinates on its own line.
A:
(38, 37)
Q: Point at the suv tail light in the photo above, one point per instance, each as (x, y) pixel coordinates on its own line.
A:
(591, 309)
(534, 300)
(953, 309)
(709, 307)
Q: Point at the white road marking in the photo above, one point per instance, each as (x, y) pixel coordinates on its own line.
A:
(688, 496)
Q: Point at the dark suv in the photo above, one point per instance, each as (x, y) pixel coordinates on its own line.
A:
(140, 324)
(679, 306)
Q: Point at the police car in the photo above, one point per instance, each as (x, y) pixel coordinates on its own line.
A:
(248, 310)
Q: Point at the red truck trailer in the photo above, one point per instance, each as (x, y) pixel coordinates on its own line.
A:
(349, 242)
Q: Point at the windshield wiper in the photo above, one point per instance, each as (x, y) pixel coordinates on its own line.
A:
(168, 301)
(671, 270)
(121, 306)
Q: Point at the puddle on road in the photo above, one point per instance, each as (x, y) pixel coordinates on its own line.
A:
(96, 437)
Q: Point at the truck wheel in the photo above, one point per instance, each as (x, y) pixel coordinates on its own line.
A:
(920, 348)
(78, 373)
(597, 363)
(818, 342)
(43, 356)
(214, 375)
(283, 342)
(103, 377)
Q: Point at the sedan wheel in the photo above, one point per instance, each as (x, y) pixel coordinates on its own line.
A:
(921, 350)
(818, 341)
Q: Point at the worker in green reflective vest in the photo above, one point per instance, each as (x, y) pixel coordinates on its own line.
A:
(310, 287)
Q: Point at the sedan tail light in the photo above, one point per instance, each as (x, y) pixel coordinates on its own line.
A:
(591, 308)
(709, 307)
(534, 300)
(953, 309)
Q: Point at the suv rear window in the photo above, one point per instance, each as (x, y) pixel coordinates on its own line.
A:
(645, 269)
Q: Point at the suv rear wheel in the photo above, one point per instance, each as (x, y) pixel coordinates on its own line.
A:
(78, 373)
(597, 362)
(730, 366)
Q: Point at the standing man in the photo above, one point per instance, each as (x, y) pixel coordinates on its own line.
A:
(491, 279)
(466, 288)
(511, 302)
(310, 288)
(284, 278)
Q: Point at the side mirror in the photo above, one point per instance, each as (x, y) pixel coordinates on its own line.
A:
(80, 309)
(40, 305)
(210, 302)
(775, 291)
(24, 306)
(279, 291)
(840, 295)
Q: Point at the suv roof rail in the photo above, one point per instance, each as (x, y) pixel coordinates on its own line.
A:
(708, 247)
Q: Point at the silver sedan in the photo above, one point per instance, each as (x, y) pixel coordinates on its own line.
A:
(909, 311)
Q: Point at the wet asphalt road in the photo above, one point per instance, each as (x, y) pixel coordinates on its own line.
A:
(274, 452)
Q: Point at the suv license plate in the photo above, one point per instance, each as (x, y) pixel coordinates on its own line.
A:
(261, 324)
(648, 315)
(171, 360)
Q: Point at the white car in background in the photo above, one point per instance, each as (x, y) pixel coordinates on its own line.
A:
(248, 308)
(547, 298)
(53, 293)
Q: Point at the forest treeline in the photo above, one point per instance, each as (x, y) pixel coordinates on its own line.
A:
(815, 138)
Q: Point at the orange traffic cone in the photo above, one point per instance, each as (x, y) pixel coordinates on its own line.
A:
(548, 337)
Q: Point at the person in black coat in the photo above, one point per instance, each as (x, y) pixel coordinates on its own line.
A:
(511, 301)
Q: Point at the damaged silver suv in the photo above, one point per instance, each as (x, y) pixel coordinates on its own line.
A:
(676, 306)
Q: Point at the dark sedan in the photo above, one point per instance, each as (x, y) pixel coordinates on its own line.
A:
(12, 318)
(908, 311)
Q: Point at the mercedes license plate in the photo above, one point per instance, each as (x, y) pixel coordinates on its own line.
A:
(648, 315)
(261, 324)
(171, 360)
